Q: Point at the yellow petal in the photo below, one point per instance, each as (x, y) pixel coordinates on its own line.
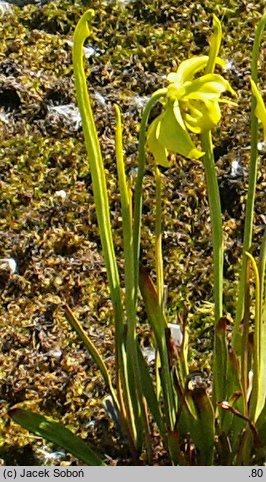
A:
(209, 86)
(173, 135)
(188, 68)
(158, 151)
(260, 110)
(176, 91)
(202, 116)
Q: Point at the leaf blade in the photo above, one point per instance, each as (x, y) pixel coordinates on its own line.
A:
(56, 433)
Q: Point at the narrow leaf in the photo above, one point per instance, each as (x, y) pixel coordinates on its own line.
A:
(257, 400)
(158, 323)
(203, 433)
(56, 433)
(149, 392)
(220, 374)
(215, 43)
(71, 318)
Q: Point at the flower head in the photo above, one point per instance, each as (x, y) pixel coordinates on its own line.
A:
(191, 104)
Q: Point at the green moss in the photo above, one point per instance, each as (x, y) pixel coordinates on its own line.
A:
(55, 240)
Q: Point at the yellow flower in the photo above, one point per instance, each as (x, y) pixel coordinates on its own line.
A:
(190, 104)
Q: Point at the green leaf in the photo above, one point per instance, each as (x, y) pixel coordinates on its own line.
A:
(262, 271)
(261, 426)
(150, 298)
(149, 393)
(71, 318)
(159, 324)
(257, 400)
(97, 170)
(221, 360)
(229, 422)
(262, 377)
(204, 429)
(215, 43)
(56, 433)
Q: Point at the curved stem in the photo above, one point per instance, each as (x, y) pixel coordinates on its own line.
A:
(138, 189)
(95, 159)
(82, 31)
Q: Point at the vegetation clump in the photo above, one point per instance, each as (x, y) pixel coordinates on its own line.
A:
(48, 219)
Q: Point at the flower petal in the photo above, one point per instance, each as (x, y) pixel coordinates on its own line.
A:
(173, 135)
(158, 151)
(202, 116)
(209, 86)
(260, 110)
(188, 68)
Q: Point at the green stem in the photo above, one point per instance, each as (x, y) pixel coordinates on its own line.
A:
(262, 267)
(219, 357)
(138, 411)
(158, 240)
(219, 360)
(130, 399)
(141, 170)
(167, 385)
(216, 222)
(249, 217)
(212, 186)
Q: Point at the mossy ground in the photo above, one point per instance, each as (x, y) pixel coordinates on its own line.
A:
(55, 240)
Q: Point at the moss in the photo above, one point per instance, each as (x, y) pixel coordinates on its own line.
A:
(55, 240)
